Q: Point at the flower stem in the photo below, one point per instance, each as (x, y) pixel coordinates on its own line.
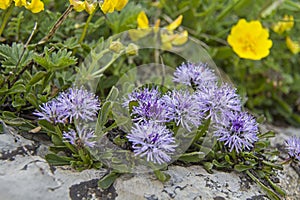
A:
(6, 18)
(57, 24)
(83, 34)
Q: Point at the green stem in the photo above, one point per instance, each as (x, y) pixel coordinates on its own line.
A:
(6, 18)
(83, 34)
(269, 192)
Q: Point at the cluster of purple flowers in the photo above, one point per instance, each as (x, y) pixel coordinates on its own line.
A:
(210, 99)
(69, 105)
(75, 103)
(293, 147)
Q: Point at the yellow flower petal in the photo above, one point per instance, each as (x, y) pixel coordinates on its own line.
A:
(107, 6)
(294, 47)
(20, 3)
(120, 4)
(136, 34)
(181, 38)
(4, 4)
(250, 40)
(78, 5)
(285, 25)
(175, 24)
(142, 20)
(35, 6)
(89, 7)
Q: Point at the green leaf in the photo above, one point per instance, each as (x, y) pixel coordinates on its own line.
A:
(50, 128)
(56, 160)
(208, 167)
(56, 140)
(113, 94)
(242, 168)
(163, 177)
(192, 157)
(55, 60)
(17, 88)
(102, 118)
(31, 98)
(36, 78)
(269, 134)
(108, 180)
(12, 54)
(124, 20)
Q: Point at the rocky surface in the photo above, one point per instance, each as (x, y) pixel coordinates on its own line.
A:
(24, 174)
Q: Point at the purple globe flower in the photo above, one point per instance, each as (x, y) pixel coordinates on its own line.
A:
(81, 138)
(194, 74)
(50, 112)
(149, 106)
(218, 102)
(152, 140)
(78, 104)
(238, 131)
(142, 95)
(183, 108)
(293, 147)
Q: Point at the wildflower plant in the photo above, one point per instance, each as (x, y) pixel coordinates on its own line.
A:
(58, 65)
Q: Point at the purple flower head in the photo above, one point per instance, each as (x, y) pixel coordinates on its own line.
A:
(78, 103)
(219, 102)
(149, 106)
(50, 112)
(152, 140)
(142, 95)
(81, 138)
(293, 146)
(183, 108)
(194, 74)
(238, 131)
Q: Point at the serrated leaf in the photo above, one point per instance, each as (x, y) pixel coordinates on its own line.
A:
(11, 55)
(55, 60)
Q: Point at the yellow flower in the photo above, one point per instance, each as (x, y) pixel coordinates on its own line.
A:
(285, 25)
(20, 3)
(4, 4)
(168, 38)
(250, 40)
(83, 5)
(89, 7)
(110, 6)
(35, 6)
(294, 47)
(77, 5)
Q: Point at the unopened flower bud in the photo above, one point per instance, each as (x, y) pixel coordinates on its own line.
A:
(132, 50)
(116, 46)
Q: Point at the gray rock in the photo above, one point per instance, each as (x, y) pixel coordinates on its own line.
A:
(24, 174)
